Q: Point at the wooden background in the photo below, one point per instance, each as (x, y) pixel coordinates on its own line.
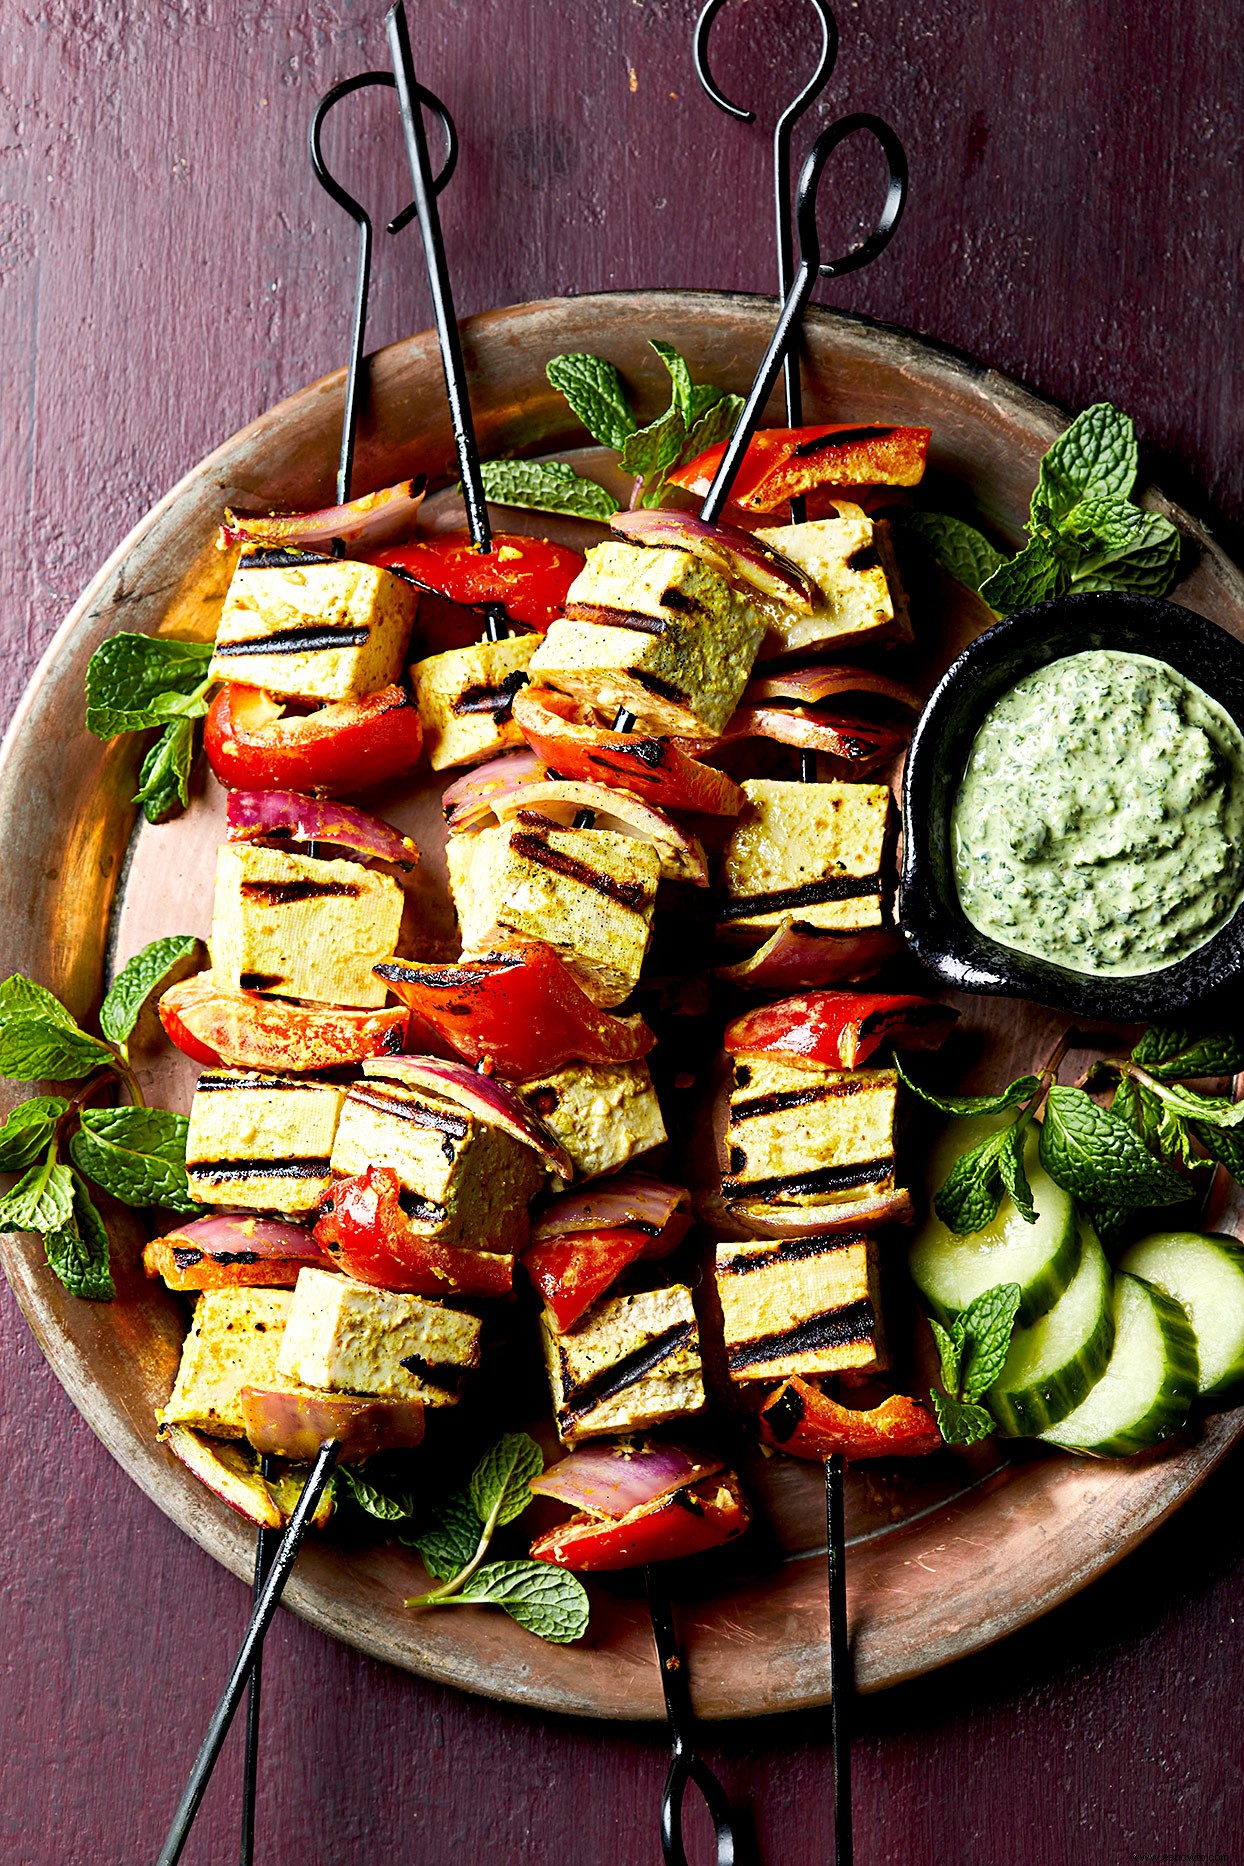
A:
(168, 268)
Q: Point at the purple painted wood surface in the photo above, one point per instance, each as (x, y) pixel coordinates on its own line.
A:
(168, 268)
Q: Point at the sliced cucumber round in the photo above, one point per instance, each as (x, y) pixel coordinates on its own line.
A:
(1053, 1364)
(1205, 1276)
(1042, 1257)
(1147, 1390)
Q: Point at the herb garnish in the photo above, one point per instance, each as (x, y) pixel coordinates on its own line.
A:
(1084, 532)
(972, 1352)
(543, 1598)
(136, 682)
(136, 1153)
(698, 416)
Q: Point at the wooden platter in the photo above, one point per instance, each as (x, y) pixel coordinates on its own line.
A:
(945, 1556)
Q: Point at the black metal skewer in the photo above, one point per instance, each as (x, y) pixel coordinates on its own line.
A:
(409, 95)
(266, 1544)
(685, 1765)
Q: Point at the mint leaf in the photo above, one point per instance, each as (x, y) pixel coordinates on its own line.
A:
(650, 450)
(28, 1131)
(21, 997)
(1167, 1051)
(715, 422)
(450, 1542)
(146, 973)
(546, 486)
(42, 1200)
(1109, 1223)
(77, 1250)
(969, 1196)
(1014, 1177)
(594, 390)
(949, 1353)
(986, 1326)
(1118, 546)
(1217, 1110)
(958, 547)
(500, 1487)
(681, 386)
(1096, 457)
(164, 777)
(387, 1506)
(136, 1154)
(544, 1599)
(135, 681)
(1223, 1144)
(1093, 1154)
(34, 1049)
(1009, 1097)
(1032, 577)
(960, 1424)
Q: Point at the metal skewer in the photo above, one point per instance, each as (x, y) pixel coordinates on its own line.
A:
(685, 1765)
(266, 1544)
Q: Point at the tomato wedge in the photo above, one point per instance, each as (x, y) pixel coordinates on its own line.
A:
(213, 1023)
(252, 743)
(520, 1011)
(367, 1234)
(784, 463)
(700, 1516)
(529, 577)
(570, 1273)
(558, 731)
(840, 1028)
(806, 1423)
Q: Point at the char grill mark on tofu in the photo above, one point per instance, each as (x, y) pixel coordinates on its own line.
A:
(285, 893)
(633, 1362)
(422, 1113)
(537, 848)
(497, 700)
(611, 1381)
(262, 1142)
(603, 617)
(312, 928)
(298, 641)
(664, 689)
(826, 1179)
(819, 850)
(811, 894)
(213, 1172)
(804, 1133)
(466, 696)
(313, 627)
(800, 1305)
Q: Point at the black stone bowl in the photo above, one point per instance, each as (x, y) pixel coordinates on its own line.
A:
(931, 918)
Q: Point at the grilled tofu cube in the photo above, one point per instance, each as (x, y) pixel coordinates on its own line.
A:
(302, 928)
(800, 1305)
(234, 1342)
(318, 628)
(464, 698)
(261, 1141)
(817, 850)
(467, 1182)
(634, 1362)
(602, 1113)
(656, 631)
(852, 561)
(802, 1134)
(345, 1337)
(588, 892)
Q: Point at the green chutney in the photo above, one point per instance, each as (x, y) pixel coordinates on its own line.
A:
(1100, 820)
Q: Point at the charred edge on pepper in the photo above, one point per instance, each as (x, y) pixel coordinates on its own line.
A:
(846, 437)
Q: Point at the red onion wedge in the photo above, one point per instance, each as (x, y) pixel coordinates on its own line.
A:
(733, 552)
(801, 1221)
(479, 1095)
(627, 1199)
(613, 1480)
(682, 854)
(809, 685)
(285, 816)
(802, 955)
(861, 743)
(472, 799)
(241, 1237)
(293, 1423)
(374, 519)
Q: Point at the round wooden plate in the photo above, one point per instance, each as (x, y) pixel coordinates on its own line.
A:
(947, 1555)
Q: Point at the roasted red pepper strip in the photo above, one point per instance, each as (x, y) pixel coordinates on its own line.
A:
(571, 1272)
(520, 1010)
(783, 463)
(216, 1024)
(160, 1259)
(367, 1234)
(529, 577)
(701, 1516)
(840, 1028)
(806, 1423)
(252, 743)
(655, 769)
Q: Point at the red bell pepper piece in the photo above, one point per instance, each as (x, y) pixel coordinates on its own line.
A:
(159, 1259)
(785, 463)
(572, 1272)
(700, 1516)
(252, 743)
(367, 1234)
(656, 769)
(529, 577)
(520, 1010)
(806, 1423)
(840, 1028)
(213, 1023)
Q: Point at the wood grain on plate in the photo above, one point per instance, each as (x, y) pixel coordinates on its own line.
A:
(945, 1558)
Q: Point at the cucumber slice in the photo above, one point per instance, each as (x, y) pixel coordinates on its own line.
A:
(1042, 1258)
(1147, 1390)
(1052, 1365)
(1205, 1276)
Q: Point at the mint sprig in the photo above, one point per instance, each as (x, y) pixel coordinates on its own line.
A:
(546, 486)
(1085, 533)
(541, 1597)
(137, 682)
(972, 1352)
